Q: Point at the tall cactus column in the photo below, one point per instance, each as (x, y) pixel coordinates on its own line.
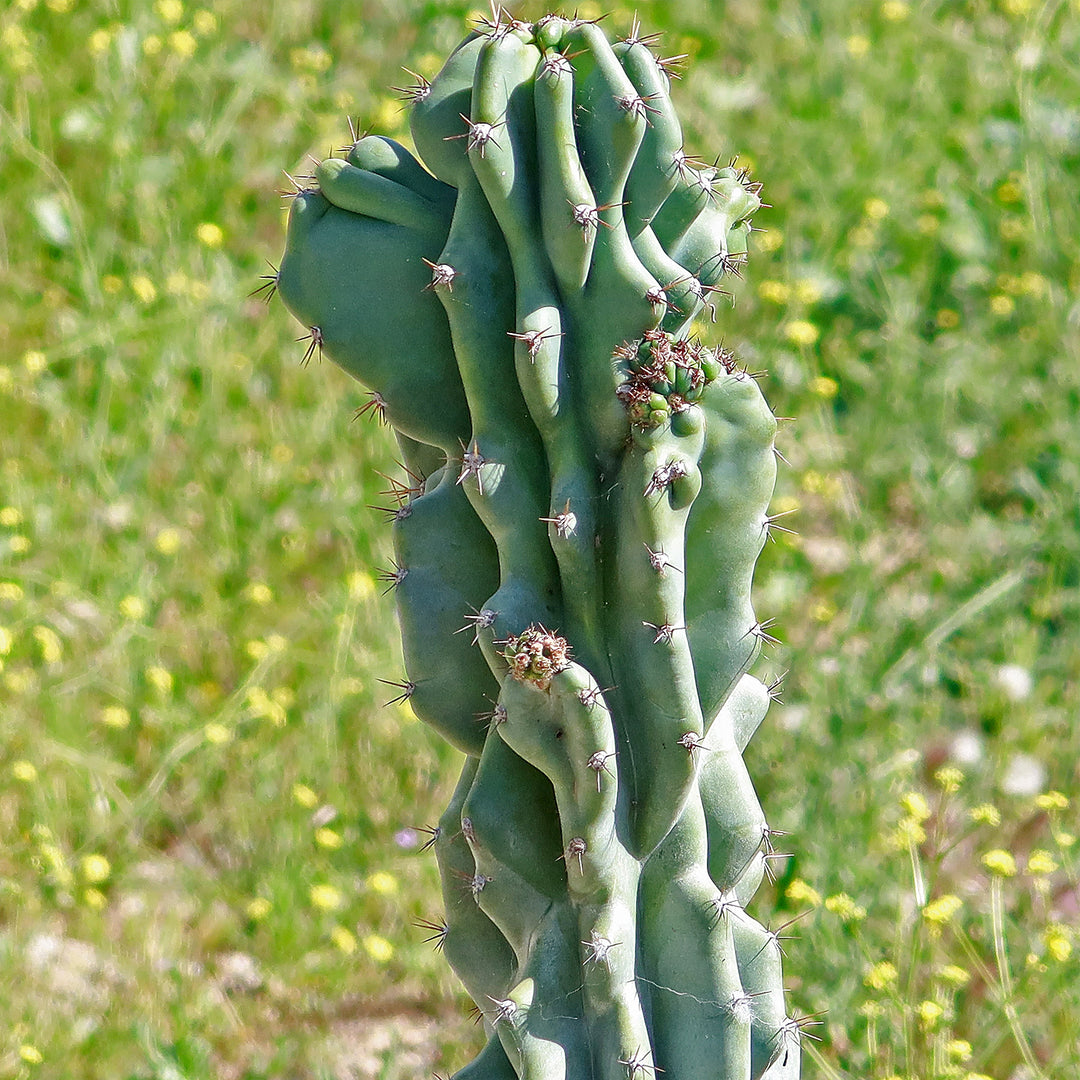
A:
(574, 547)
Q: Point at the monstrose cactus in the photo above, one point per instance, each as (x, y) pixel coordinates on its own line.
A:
(587, 494)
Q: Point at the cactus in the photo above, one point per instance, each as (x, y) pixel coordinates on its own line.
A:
(588, 495)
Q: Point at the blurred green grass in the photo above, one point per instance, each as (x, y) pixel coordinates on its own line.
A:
(205, 867)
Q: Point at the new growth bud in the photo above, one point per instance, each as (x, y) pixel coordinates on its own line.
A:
(536, 656)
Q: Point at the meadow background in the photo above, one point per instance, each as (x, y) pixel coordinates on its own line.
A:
(209, 857)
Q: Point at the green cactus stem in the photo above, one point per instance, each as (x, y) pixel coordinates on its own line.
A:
(586, 498)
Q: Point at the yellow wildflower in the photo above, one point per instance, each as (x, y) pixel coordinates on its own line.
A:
(949, 778)
(876, 209)
(115, 716)
(959, 1049)
(16, 45)
(954, 975)
(775, 292)
(141, 285)
(98, 41)
(54, 857)
(361, 586)
(326, 897)
(916, 805)
(800, 891)
(844, 908)
(1051, 800)
(95, 868)
(159, 678)
(824, 387)
(256, 650)
(771, 240)
(24, 771)
(985, 814)
(929, 1013)
(881, 975)
(1000, 862)
(49, 642)
(908, 833)
(344, 939)
(170, 11)
(183, 44)
(167, 541)
(34, 361)
(1058, 942)
(285, 696)
(1041, 863)
(259, 592)
(1032, 283)
(19, 681)
(857, 45)
(327, 838)
(304, 796)
(942, 910)
(217, 734)
(801, 332)
(378, 948)
(133, 607)
(264, 707)
(258, 908)
(383, 883)
(210, 235)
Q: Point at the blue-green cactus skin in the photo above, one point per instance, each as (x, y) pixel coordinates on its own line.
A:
(574, 549)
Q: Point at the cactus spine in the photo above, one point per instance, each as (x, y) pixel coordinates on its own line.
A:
(588, 499)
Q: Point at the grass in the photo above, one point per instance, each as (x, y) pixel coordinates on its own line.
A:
(205, 862)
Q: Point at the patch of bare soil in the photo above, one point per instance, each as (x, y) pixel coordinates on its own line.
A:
(385, 1047)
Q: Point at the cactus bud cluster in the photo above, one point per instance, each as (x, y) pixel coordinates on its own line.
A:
(535, 656)
(665, 375)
